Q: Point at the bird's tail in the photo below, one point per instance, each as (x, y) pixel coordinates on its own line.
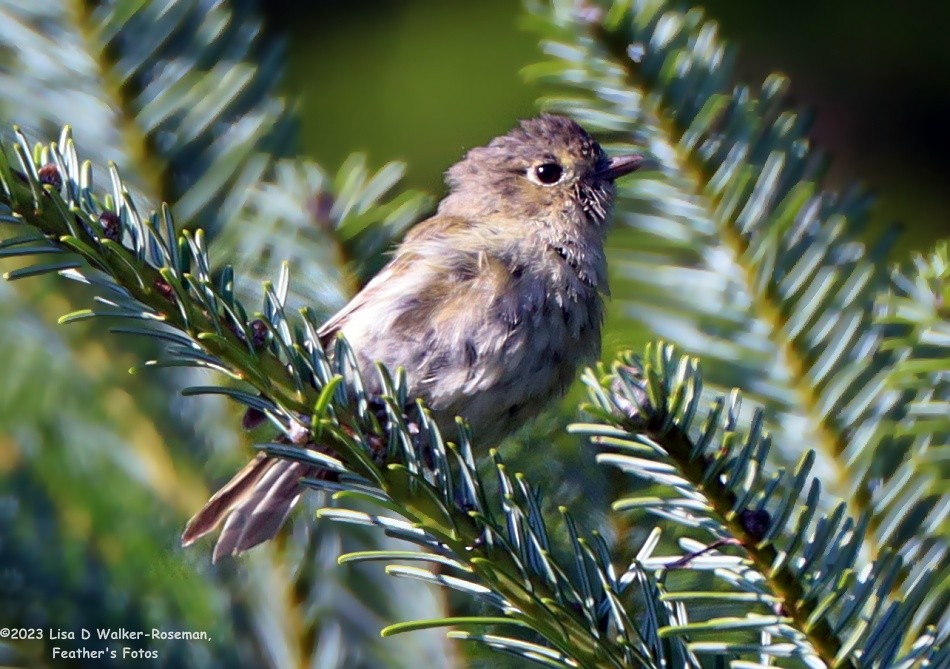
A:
(253, 505)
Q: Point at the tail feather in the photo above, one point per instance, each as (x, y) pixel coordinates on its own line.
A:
(253, 505)
(216, 508)
(261, 513)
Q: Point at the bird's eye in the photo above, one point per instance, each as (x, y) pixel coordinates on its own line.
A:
(549, 173)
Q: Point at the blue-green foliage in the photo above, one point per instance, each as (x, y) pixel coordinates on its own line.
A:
(182, 97)
(731, 249)
(798, 592)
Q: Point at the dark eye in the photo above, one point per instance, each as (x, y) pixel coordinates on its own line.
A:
(548, 173)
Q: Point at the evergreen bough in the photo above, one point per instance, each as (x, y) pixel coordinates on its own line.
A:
(739, 258)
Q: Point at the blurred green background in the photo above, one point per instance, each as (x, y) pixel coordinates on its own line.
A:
(422, 80)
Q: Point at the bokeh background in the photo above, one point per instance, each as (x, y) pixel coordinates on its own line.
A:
(419, 81)
(422, 80)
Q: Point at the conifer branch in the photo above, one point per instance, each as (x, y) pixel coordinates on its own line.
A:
(740, 209)
(151, 167)
(742, 162)
(387, 451)
(163, 278)
(739, 255)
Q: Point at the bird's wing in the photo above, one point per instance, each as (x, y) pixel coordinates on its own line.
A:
(332, 326)
(432, 229)
(254, 504)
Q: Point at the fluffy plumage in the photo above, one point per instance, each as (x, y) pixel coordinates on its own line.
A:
(490, 305)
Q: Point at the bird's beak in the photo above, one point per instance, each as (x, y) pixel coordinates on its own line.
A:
(619, 166)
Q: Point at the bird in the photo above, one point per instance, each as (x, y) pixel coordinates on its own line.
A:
(491, 306)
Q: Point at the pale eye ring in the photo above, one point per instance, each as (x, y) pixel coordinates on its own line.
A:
(548, 173)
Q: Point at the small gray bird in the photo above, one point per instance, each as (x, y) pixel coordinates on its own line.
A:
(491, 305)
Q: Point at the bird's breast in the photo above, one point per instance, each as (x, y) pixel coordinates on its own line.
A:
(488, 337)
(498, 347)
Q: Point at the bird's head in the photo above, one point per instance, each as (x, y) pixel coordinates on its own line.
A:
(546, 167)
